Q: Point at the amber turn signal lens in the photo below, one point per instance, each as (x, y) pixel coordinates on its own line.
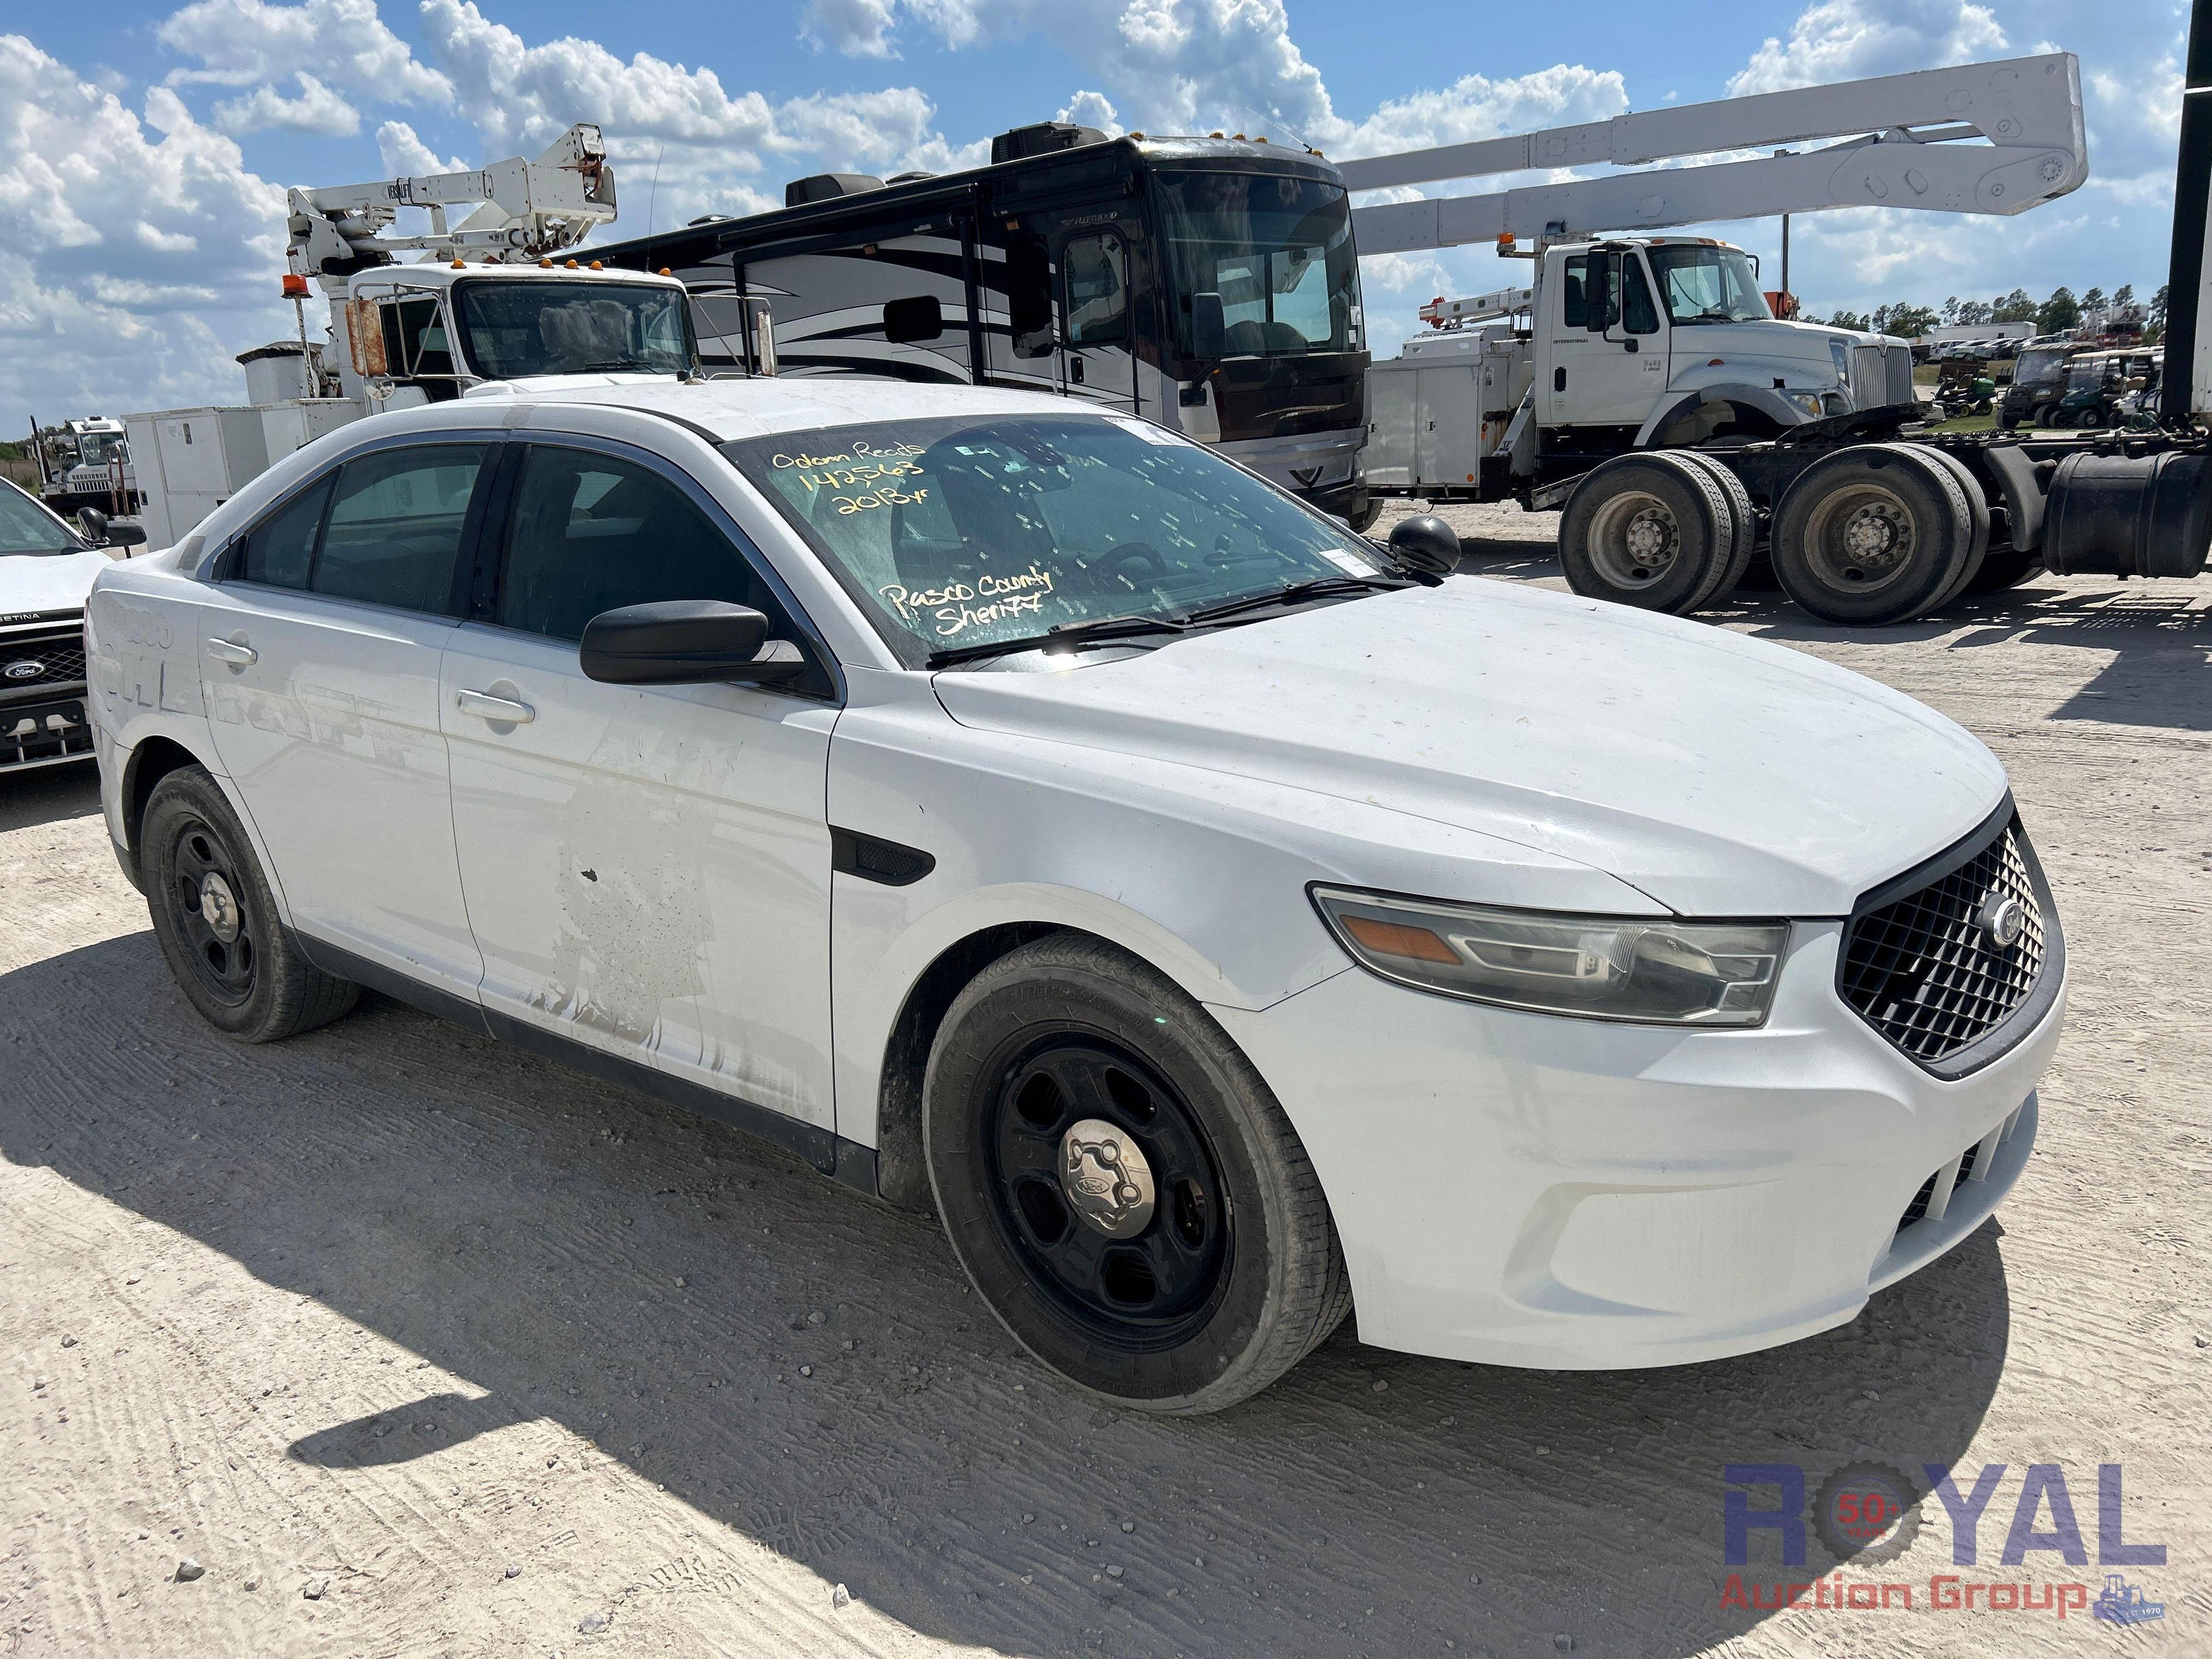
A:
(1392, 938)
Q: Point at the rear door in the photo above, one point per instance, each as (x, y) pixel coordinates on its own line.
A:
(320, 665)
(647, 868)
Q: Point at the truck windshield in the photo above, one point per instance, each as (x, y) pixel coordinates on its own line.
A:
(954, 533)
(98, 448)
(1277, 249)
(27, 527)
(1707, 285)
(523, 327)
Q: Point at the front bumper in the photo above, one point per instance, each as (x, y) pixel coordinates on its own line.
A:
(1526, 1189)
(48, 731)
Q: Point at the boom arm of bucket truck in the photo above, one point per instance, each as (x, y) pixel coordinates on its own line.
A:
(1907, 141)
(526, 210)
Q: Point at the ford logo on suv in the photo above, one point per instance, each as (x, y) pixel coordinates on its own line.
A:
(28, 669)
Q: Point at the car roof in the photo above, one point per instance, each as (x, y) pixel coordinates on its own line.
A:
(765, 406)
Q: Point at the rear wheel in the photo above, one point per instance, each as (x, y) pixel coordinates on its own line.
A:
(216, 919)
(1653, 531)
(1120, 1185)
(1977, 516)
(1871, 534)
(1743, 539)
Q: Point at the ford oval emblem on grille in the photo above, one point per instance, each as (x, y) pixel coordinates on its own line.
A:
(2004, 919)
(28, 669)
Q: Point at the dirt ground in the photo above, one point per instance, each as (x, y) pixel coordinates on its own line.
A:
(421, 1346)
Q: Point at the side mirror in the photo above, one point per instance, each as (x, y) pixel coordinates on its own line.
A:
(1426, 548)
(1209, 327)
(920, 317)
(127, 535)
(92, 524)
(686, 642)
(1597, 288)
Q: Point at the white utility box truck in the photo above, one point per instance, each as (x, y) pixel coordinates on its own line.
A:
(497, 300)
(1641, 380)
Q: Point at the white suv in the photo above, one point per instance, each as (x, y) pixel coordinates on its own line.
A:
(1224, 922)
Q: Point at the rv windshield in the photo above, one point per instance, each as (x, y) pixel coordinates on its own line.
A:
(963, 534)
(1277, 249)
(1706, 284)
(521, 326)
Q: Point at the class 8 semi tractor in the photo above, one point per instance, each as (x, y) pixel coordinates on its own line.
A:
(1641, 383)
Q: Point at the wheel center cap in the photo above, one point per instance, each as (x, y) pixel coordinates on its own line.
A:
(219, 906)
(1106, 1178)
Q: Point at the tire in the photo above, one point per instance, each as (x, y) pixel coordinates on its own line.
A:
(1649, 530)
(1223, 1275)
(1871, 534)
(1743, 520)
(1977, 512)
(217, 922)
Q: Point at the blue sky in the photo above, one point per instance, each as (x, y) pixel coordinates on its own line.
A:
(143, 148)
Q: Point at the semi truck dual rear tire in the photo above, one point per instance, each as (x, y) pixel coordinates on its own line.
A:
(1977, 512)
(1744, 522)
(1654, 530)
(1872, 534)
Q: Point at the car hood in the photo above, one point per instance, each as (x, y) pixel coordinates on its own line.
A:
(34, 582)
(1717, 775)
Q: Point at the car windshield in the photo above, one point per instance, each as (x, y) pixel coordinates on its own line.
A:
(966, 532)
(1707, 285)
(27, 527)
(523, 326)
(1277, 249)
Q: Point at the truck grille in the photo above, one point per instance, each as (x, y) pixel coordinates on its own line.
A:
(42, 660)
(1926, 970)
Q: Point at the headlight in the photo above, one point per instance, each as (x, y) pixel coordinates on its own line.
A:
(1655, 972)
(1808, 401)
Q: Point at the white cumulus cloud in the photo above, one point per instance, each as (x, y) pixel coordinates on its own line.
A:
(316, 110)
(344, 43)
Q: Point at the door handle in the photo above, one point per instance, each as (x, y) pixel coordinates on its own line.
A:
(237, 656)
(500, 711)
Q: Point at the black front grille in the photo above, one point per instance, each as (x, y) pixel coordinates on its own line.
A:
(1924, 969)
(41, 661)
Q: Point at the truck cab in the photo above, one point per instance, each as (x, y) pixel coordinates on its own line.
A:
(1667, 342)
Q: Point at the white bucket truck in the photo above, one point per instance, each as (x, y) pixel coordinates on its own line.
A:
(498, 299)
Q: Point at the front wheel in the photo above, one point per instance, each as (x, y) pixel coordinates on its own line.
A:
(1120, 1185)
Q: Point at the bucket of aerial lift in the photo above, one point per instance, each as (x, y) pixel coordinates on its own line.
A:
(2128, 515)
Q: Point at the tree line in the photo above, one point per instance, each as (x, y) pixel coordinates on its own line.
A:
(2054, 315)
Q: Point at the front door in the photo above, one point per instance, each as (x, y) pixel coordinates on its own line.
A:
(1097, 360)
(1613, 375)
(647, 868)
(320, 664)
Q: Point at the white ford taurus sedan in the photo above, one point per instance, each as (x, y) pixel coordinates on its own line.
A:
(1223, 921)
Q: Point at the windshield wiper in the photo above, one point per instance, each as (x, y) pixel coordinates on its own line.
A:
(1098, 628)
(1312, 588)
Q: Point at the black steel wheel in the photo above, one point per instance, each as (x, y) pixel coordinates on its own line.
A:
(1122, 1187)
(203, 894)
(1104, 1182)
(216, 919)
